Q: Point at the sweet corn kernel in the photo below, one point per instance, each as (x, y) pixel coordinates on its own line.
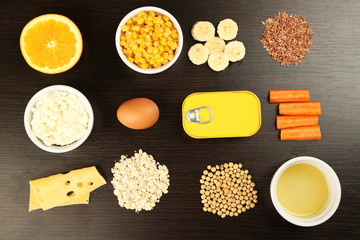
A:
(142, 13)
(124, 28)
(158, 29)
(140, 20)
(152, 13)
(130, 59)
(166, 18)
(136, 28)
(165, 34)
(148, 38)
(146, 55)
(161, 48)
(156, 65)
(170, 43)
(123, 43)
(156, 20)
(129, 22)
(163, 42)
(134, 46)
(128, 34)
(173, 46)
(175, 35)
(150, 49)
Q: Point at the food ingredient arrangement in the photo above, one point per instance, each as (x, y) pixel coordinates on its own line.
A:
(287, 38)
(59, 118)
(302, 190)
(213, 115)
(227, 190)
(215, 51)
(138, 113)
(64, 189)
(60, 47)
(298, 119)
(150, 40)
(139, 181)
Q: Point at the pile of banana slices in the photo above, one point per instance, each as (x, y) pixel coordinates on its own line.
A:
(215, 51)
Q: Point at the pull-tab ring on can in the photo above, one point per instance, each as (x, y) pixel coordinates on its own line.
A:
(193, 115)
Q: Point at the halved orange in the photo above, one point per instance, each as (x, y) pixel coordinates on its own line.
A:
(51, 43)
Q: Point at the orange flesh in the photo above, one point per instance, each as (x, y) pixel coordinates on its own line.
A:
(50, 43)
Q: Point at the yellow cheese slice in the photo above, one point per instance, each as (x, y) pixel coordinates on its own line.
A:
(34, 205)
(59, 189)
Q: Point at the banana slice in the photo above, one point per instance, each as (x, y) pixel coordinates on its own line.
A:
(235, 51)
(227, 29)
(215, 44)
(218, 61)
(198, 54)
(203, 31)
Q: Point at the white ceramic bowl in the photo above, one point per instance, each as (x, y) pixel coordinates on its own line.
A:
(134, 66)
(28, 117)
(333, 187)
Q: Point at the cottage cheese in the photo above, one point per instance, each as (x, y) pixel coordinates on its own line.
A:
(59, 118)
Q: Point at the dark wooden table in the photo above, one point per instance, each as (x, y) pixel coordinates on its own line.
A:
(331, 72)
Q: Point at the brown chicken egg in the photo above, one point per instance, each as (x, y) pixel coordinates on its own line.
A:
(138, 113)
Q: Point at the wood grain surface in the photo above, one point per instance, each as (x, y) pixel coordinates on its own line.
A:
(330, 71)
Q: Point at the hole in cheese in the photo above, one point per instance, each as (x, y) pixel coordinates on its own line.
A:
(70, 194)
(67, 183)
(79, 184)
(91, 183)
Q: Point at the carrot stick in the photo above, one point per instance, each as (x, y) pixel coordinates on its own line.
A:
(295, 121)
(308, 108)
(301, 133)
(279, 96)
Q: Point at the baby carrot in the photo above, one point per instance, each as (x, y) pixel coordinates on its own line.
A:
(291, 95)
(301, 133)
(308, 108)
(295, 121)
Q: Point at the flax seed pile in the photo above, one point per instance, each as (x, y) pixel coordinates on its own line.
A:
(287, 38)
(227, 190)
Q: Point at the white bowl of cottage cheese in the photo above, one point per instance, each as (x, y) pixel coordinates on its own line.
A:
(58, 119)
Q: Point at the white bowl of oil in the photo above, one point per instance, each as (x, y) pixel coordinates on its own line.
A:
(305, 191)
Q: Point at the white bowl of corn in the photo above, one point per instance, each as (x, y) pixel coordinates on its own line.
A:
(149, 40)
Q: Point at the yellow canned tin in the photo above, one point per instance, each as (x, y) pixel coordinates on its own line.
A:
(221, 114)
